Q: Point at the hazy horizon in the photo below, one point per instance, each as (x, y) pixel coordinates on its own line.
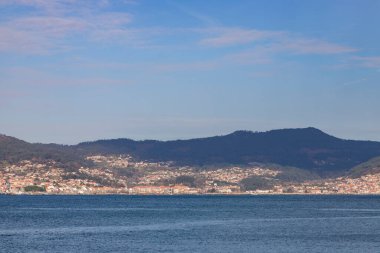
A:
(73, 71)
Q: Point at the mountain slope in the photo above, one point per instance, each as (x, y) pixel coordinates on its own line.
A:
(370, 167)
(14, 150)
(306, 148)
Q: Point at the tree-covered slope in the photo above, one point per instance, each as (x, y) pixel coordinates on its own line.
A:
(307, 148)
(13, 150)
(369, 167)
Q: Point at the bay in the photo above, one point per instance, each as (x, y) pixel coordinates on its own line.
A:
(119, 223)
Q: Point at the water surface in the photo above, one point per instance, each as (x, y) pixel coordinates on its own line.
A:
(189, 223)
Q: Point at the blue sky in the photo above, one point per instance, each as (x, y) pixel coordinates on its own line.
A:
(75, 70)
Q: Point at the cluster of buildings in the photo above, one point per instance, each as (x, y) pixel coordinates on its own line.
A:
(111, 161)
(367, 184)
(48, 178)
(222, 181)
(161, 189)
(124, 161)
(160, 178)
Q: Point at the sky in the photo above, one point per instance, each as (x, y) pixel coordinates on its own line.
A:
(80, 70)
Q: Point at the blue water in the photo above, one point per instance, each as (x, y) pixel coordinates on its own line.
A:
(189, 223)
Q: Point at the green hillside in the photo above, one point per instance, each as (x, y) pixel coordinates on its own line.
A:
(370, 167)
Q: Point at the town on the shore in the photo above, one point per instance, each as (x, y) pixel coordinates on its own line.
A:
(122, 175)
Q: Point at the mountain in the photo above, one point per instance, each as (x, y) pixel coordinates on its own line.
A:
(307, 148)
(13, 150)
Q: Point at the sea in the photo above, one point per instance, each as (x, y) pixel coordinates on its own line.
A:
(120, 223)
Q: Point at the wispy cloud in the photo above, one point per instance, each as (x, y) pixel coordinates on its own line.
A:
(204, 19)
(354, 82)
(277, 40)
(58, 22)
(52, 7)
(313, 46)
(263, 53)
(368, 61)
(225, 36)
(201, 65)
(50, 29)
(267, 47)
(37, 35)
(260, 47)
(61, 7)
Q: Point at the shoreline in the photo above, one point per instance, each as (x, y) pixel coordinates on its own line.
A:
(198, 195)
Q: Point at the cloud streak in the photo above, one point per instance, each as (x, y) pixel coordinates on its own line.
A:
(367, 61)
(50, 29)
(313, 46)
(57, 23)
(277, 40)
(236, 36)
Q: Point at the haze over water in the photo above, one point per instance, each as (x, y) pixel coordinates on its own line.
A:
(190, 223)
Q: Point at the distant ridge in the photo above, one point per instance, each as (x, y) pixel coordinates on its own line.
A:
(307, 148)
(14, 150)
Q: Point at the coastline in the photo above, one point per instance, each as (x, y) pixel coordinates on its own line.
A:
(207, 194)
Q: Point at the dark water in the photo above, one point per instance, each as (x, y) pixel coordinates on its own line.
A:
(189, 224)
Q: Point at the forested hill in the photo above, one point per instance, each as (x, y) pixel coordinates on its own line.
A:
(14, 150)
(306, 148)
